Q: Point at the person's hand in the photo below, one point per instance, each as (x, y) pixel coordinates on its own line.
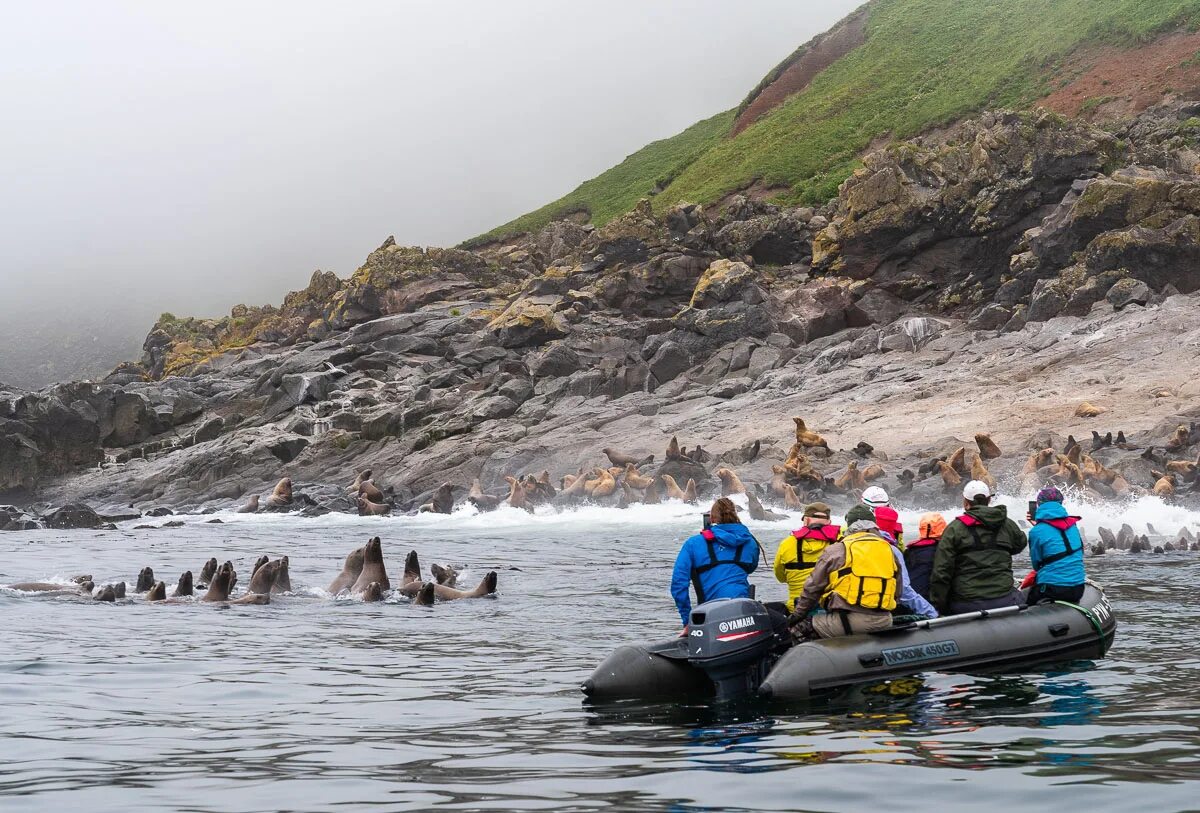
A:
(683, 633)
(795, 618)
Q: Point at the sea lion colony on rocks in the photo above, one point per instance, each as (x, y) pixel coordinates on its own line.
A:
(363, 577)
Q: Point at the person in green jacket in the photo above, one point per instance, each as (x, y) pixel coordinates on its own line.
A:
(973, 569)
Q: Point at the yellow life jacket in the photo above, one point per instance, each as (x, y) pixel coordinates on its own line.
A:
(798, 555)
(868, 578)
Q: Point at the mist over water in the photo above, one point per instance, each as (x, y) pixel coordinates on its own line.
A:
(312, 703)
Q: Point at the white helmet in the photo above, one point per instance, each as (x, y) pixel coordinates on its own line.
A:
(875, 497)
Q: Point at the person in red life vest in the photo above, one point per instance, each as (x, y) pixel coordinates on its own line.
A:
(1056, 551)
(972, 567)
(919, 554)
(909, 601)
(798, 553)
(717, 562)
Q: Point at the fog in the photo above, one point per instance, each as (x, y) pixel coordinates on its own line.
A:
(186, 157)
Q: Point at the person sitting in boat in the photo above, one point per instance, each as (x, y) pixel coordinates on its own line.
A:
(972, 567)
(798, 553)
(876, 498)
(1056, 550)
(911, 602)
(856, 581)
(717, 562)
(918, 556)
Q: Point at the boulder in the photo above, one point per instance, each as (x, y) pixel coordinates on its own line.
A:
(555, 361)
(210, 429)
(73, 516)
(726, 281)
(529, 322)
(668, 362)
(1046, 302)
(1127, 292)
(494, 408)
(989, 317)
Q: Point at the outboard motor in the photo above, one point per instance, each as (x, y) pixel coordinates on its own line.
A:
(733, 642)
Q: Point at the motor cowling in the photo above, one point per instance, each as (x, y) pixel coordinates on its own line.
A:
(734, 642)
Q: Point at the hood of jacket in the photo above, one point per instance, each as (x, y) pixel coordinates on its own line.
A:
(992, 516)
(732, 534)
(1053, 513)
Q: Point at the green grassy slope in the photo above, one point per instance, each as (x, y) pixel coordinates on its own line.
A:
(925, 63)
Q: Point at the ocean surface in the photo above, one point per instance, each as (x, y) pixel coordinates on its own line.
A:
(318, 704)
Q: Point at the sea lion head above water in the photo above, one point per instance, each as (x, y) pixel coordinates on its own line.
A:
(283, 577)
(447, 575)
(350, 571)
(207, 572)
(263, 578)
(184, 587)
(219, 587)
(106, 593)
(158, 592)
(373, 567)
(145, 580)
(373, 592)
(259, 562)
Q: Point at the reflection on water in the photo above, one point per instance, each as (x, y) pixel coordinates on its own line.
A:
(314, 704)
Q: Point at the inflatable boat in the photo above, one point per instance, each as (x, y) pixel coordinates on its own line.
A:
(732, 650)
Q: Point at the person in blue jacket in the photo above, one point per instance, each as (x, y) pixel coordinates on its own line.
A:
(717, 562)
(1056, 550)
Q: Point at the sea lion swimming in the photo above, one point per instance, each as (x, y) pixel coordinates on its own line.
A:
(373, 569)
(481, 501)
(262, 560)
(184, 587)
(49, 587)
(282, 495)
(757, 512)
(350, 571)
(263, 578)
(158, 592)
(366, 508)
(283, 577)
(145, 580)
(442, 501)
(373, 592)
(251, 506)
(424, 596)
(106, 593)
(447, 575)
(222, 584)
(412, 584)
(207, 572)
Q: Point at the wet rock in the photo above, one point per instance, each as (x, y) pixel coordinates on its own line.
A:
(73, 516)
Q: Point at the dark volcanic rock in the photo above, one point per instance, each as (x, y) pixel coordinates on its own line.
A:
(75, 515)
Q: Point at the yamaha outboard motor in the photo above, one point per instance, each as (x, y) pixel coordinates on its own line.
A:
(733, 641)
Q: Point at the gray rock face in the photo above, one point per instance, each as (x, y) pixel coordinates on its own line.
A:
(1046, 302)
(669, 362)
(556, 361)
(210, 429)
(1127, 292)
(989, 317)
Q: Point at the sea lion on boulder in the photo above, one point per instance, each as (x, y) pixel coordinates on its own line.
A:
(251, 506)
(353, 490)
(950, 477)
(636, 479)
(806, 437)
(760, 514)
(282, 496)
(622, 459)
(980, 472)
(207, 572)
(576, 489)
(791, 500)
(958, 460)
(369, 490)
(442, 501)
(988, 449)
(674, 492)
(145, 580)
(481, 501)
(852, 479)
(158, 592)
(1088, 410)
(1099, 442)
(373, 569)
(652, 495)
(778, 481)
(730, 482)
(184, 587)
(873, 472)
(350, 572)
(518, 497)
(605, 485)
(366, 508)
(690, 495)
(673, 450)
(1164, 486)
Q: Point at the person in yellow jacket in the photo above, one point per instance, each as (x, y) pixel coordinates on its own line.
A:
(856, 580)
(798, 553)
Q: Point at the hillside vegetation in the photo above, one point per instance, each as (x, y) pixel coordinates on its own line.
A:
(924, 63)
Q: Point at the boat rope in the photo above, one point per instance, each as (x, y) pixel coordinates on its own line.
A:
(1091, 617)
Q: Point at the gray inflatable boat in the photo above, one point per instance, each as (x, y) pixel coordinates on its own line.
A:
(732, 650)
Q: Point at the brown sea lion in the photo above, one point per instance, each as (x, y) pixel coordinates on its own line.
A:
(546, 490)
(758, 513)
(699, 454)
(263, 578)
(873, 472)
(518, 497)
(262, 560)
(350, 571)
(1075, 455)
(1088, 410)
(207, 572)
(791, 500)
(106, 593)
(219, 587)
(372, 592)
(363, 475)
(623, 459)
(486, 587)
(445, 575)
(1164, 486)
(778, 481)
(251, 506)
(185, 586)
(369, 490)
(283, 577)
(373, 569)
(950, 477)
(730, 482)
(673, 450)
(1184, 468)
(577, 489)
(282, 495)
(988, 449)
(481, 501)
(605, 485)
(981, 473)
(636, 479)
(652, 495)
(158, 592)
(852, 479)
(145, 580)
(958, 460)
(690, 495)
(673, 491)
(366, 508)
(50, 587)
(442, 501)
(424, 596)
(806, 437)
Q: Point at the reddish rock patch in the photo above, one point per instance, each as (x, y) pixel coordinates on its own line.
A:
(806, 64)
(1123, 81)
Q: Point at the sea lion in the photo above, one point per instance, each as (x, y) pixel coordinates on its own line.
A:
(282, 494)
(760, 514)
(1164, 486)
(950, 477)
(184, 587)
(636, 479)
(369, 490)
(447, 575)
(251, 506)
(363, 475)
(1184, 468)
(1178, 439)
(106, 593)
(673, 451)
(442, 501)
(145, 580)
(233, 576)
(424, 596)
(350, 571)
(1121, 441)
(603, 486)
(518, 497)
(118, 589)
(1075, 454)
(808, 438)
(988, 449)
(1070, 444)
(873, 472)
(576, 489)
(674, 492)
(778, 481)
(372, 592)
(863, 449)
(481, 501)
(730, 482)
(207, 572)
(1088, 410)
(791, 500)
(797, 465)
(958, 460)
(545, 488)
(222, 584)
(366, 508)
(262, 560)
(373, 569)
(263, 578)
(158, 592)
(1108, 538)
(852, 479)
(1099, 442)
(699, 455)
(486, 587)
(690, 495)
(623, 459)
(283, 577)
(980, 472)
(50, 587)
(652, 495)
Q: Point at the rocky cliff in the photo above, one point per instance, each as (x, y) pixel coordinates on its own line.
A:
(986, 279)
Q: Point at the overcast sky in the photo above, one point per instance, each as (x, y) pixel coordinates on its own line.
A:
(187, 156)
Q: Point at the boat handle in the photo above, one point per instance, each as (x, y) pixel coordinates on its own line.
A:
(1059, 630)
(871, 660)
